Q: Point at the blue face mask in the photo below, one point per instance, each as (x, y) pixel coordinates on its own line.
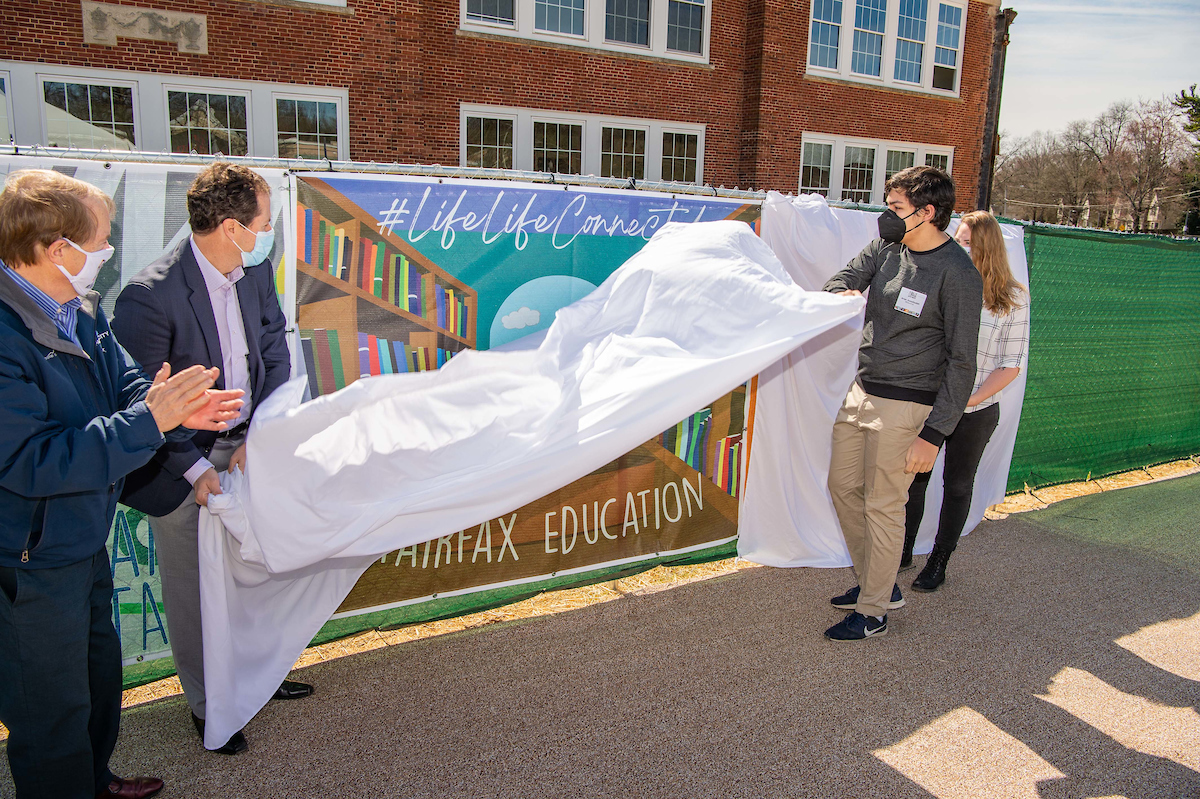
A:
(263, 244)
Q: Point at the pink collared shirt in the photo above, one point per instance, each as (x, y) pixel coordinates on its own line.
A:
(231, 330)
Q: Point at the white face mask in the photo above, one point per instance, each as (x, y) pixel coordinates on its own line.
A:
(263, 244)
(83, 282)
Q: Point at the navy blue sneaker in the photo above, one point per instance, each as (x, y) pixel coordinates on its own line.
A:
(849, 600)
(857, 627)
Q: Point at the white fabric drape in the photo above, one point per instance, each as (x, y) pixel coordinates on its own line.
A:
(787, 518)
(391, 461)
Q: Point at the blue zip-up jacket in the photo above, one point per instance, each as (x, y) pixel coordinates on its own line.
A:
(73, 423)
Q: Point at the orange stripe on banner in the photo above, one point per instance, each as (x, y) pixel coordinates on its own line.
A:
(749, 437)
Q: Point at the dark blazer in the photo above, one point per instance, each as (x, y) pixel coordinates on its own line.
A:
(164, 314)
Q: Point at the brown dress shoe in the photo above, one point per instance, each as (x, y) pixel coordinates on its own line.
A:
(136, 788)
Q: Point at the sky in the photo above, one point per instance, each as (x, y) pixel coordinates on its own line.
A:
(1070, 60)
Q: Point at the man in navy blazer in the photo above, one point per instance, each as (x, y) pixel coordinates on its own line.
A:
(210, 301)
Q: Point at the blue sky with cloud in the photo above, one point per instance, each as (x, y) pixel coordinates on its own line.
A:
(1071, 60)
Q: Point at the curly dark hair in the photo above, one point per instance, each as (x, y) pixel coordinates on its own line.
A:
(926, 185)
(224, 191)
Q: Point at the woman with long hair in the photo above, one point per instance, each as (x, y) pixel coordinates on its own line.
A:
(1003, 349)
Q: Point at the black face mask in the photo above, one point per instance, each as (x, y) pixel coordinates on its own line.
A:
(892, 228)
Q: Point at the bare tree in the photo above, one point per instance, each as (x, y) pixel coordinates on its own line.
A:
(1139, 151)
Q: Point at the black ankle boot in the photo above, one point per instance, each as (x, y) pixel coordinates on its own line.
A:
(910, 540)
(934, 573)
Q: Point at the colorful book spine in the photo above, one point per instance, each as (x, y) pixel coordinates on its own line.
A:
(387, 291)
(310, 363)
(378, 252)
(364, 361)
(465, 312)
(373, 355)
(303, 220)
(402, 364)
(322, 250)
(335, 352)
(439, 295)
(335, 253)
(325, 375)
(451, 311)
(385, 357)
(415, 289)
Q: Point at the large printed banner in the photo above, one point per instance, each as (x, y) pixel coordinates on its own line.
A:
(397, 274)
(382, 274)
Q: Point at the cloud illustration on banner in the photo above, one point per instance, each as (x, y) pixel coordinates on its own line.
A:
(531, 306)
(520, 318)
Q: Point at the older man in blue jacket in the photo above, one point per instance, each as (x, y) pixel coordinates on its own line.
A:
(75, 418)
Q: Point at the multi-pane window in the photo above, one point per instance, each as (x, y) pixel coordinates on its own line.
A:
(824, 36)
(816, 169)
(622, 153)
(558, 147)
(870, 22)
(857, 169)
(627, 21)
(89, 115)
(897, 160)
(559, 16)
(490, 142)
(499, 11)
(910, 40)
(858, 174)
(685, 26)
(306, 129)
(945, 55)
(5, 125)
(207, 123)
(680, 157)
(909, 44)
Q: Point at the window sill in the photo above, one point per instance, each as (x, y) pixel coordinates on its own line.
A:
(879, 85)
(301, 5)
(523, 41)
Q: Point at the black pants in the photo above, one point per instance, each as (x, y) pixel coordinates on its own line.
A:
(964, 448)
(60, 677)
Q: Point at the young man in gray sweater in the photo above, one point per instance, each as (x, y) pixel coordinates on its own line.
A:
(916, 368)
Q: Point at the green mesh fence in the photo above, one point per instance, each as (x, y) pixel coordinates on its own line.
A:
(1115, 339)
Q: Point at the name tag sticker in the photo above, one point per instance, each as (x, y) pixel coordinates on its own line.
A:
(910, 302)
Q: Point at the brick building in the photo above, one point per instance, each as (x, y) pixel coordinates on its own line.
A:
(814, 95)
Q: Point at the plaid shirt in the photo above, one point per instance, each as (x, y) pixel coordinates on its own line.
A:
(1003, 343)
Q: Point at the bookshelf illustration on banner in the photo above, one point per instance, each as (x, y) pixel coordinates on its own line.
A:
(368, 303)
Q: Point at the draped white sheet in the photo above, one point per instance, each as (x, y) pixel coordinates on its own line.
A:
(391, 461)
(787, 518)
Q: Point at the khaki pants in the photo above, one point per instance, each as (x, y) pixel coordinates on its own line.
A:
(871, 438)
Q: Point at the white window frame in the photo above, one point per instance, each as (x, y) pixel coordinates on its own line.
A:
(505, 116)
(342, 121)
(593, 30)
(554, 119)
(167, 88)
(73, 77)
(881, 146)
(637, 128)
(150, 117)
(523, 119)
(888, 66)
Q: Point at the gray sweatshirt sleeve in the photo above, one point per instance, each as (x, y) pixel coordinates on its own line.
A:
(962, 302)
(858, 274)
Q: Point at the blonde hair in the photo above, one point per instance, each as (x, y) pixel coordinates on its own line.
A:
(1001, 291)
(40, 206)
